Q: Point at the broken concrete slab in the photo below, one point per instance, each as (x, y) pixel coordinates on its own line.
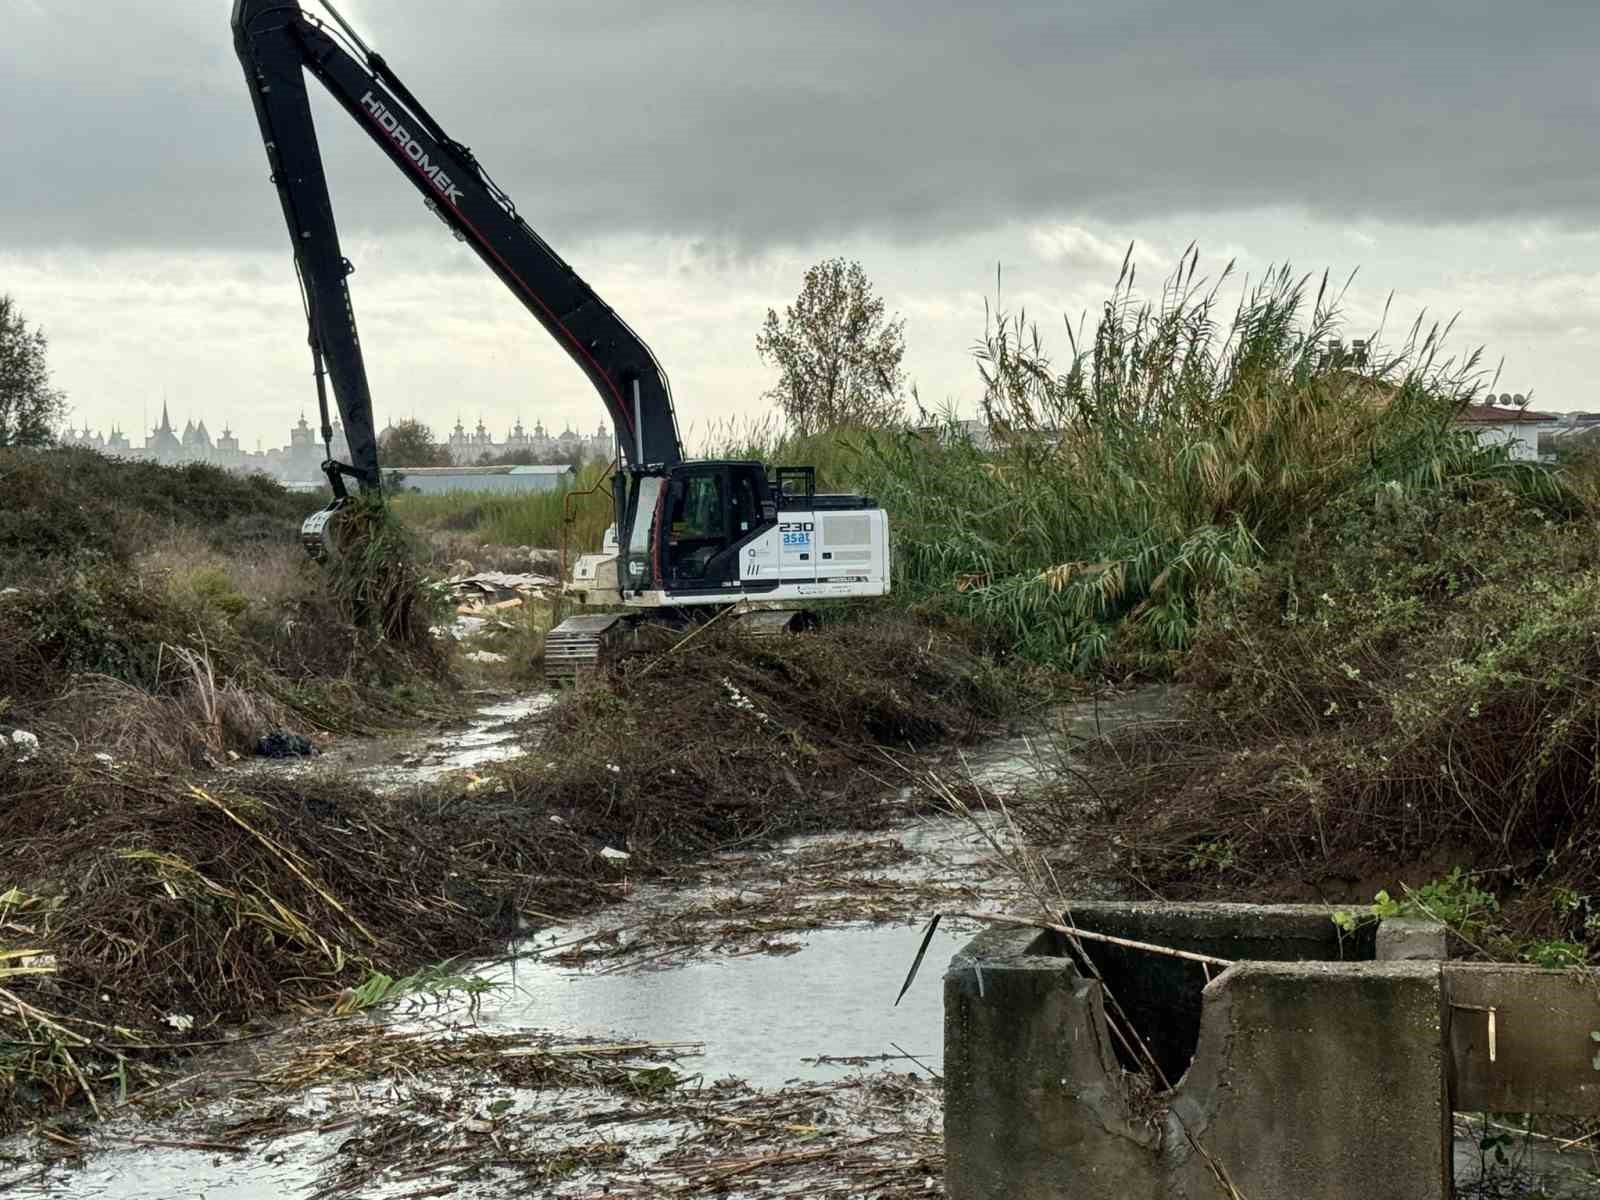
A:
(1283, 1074)
(1409, 939)
(1320, 1081)
(1162, 995)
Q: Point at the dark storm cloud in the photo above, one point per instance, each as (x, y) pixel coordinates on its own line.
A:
(771, 122)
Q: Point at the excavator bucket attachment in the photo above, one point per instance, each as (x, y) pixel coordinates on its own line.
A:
(317, 531)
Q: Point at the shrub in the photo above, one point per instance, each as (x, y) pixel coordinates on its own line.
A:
(1415, 681)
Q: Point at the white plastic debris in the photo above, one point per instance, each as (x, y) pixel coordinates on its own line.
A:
(740, 701)
(612, 854)
(25, 744)
(103, 758)
(182, 1022)
(485, 656)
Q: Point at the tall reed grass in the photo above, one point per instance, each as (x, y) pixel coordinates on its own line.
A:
(1177, 443)
(527, 519)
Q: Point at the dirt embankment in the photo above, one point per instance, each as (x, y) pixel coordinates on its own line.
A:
(169, 614)
(147, 912)
(1413, 688)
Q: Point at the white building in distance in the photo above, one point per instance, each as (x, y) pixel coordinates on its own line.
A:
(300, 460)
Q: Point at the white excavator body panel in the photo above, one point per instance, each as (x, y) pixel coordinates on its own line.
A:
(805, 556)
(723, 540)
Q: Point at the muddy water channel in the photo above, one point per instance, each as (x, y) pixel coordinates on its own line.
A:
(736, 1023)
(734, 1029)
(491, 736)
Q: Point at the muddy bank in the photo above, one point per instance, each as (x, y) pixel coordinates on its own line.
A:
(148, 915)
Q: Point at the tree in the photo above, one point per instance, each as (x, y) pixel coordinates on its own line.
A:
(30, 409)
(837, 354)
(410, 443)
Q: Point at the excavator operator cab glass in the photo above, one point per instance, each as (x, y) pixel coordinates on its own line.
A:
(640, 509)
(712, 510)
(697, 524)
(797, 484)
(746, 513)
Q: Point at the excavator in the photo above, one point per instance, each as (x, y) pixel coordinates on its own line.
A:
(690, 539)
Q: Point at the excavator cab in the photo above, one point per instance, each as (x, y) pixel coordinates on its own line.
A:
(713, 509)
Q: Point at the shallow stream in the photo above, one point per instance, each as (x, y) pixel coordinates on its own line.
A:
(809, 1001)
(785, 1009)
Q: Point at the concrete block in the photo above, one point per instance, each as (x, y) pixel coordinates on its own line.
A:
(1409, 939)
(1544, 1057)
(1162, 995)
(1034, 1099)
(1320, 1081)
(1311, 1080)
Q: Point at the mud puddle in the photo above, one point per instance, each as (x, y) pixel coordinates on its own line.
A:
(786, 969)
(814, 1012)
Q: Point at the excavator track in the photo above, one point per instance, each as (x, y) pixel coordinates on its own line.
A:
(580, 644)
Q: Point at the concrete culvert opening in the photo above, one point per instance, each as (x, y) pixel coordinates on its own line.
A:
(1159, 995)
(1162, 994)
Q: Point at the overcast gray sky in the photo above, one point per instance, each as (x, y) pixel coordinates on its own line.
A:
(691, 159)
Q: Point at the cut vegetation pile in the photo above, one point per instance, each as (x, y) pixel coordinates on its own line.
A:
(728, 739)
(146, 911)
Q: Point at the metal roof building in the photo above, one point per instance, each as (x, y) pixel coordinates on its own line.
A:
(437, 480)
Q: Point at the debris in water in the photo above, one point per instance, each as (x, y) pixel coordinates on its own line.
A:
(279, 744)
(439, 1109)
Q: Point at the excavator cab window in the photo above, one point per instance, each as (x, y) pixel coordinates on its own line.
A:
(712, 511)
(698, 524)
(746, 515)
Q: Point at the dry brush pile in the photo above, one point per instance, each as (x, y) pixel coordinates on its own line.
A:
(169, 614)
